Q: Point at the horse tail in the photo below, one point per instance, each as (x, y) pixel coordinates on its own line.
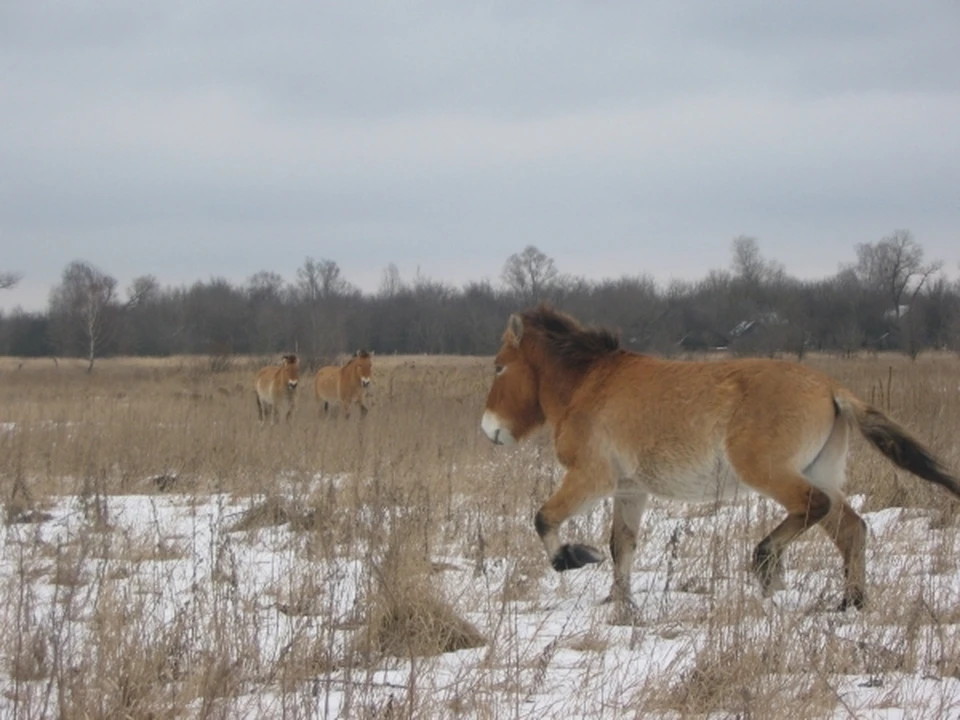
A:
(894, 441)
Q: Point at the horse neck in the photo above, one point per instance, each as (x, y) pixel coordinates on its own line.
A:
(557, 385)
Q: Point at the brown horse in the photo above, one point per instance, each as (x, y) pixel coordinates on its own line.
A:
(276, 384)
(630, 426)
(345, 384)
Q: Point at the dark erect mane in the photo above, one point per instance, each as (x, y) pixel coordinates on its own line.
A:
(566, 340)
(358, 354)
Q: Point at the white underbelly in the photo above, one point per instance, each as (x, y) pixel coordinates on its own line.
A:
(708, 481)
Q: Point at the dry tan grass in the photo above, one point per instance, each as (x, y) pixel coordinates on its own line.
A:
(416, 496)
(406, 614)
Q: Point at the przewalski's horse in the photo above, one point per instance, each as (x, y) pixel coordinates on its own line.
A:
(630, 426)
(276, 384)
(345, 384)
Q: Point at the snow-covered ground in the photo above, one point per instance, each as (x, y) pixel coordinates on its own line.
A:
(175, 567)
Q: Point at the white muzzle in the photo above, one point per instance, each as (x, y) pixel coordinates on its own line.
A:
(494, 429)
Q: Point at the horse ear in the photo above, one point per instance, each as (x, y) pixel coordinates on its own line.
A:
(514, 329)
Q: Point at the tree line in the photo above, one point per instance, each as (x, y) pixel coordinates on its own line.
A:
(890, 298)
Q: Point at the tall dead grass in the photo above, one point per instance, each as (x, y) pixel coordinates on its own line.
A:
(412, 491)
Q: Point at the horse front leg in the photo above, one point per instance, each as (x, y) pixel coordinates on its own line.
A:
(577, 494)
(627, 511)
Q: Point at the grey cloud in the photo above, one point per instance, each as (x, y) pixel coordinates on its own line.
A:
(193, 133)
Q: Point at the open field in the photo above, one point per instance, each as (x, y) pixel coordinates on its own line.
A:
(164, 555)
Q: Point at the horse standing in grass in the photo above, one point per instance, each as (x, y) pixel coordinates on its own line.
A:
(345, 384)
(628, 425)
(276, 384)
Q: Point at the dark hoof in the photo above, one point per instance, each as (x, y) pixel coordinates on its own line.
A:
(768, 569)
(571, 557)
(852, 599)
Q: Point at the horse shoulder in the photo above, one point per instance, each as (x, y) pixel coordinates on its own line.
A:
(580, 431)
(571, 438)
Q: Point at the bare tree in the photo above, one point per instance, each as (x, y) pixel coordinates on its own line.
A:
(322, 290)
(142, 290)
(9, 280)
(309, 291)
(265, 293)
(86, 298)
(530, 274)
(390, 281)
(894, 267)
(332, 283)
(747, 261)
(750, 266)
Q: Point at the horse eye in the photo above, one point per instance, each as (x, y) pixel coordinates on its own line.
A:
(498, 369)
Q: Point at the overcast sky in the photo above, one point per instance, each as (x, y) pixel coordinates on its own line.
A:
(194, 139)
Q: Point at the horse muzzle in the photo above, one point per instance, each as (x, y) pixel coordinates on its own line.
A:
(494, 429)
(365, 382)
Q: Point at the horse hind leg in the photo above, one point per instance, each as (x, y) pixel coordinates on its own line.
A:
(806, 506)
(256, 397)
(848, 532)
(842, 525)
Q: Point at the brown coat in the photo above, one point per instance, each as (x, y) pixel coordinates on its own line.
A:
(345, 385)
(629, 426)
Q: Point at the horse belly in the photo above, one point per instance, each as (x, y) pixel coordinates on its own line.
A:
(708, 481)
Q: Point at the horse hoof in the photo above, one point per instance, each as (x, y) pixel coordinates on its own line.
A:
(571, 557)
(625, 614)
(771, 585)
(852, 598)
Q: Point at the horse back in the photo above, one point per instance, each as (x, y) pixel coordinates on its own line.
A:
(650, 411)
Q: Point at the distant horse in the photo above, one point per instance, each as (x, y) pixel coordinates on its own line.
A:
(276, 384)
(345, 384)
(630, 426)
